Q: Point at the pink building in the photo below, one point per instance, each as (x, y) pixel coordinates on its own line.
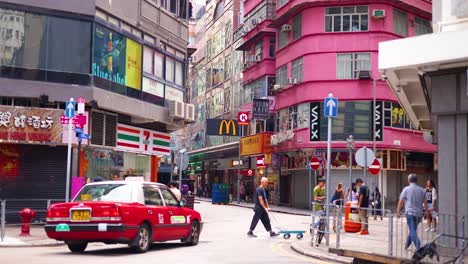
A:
(314, 48)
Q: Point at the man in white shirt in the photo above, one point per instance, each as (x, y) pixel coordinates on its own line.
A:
(175, 190)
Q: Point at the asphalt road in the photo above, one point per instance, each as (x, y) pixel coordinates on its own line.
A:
(223, 240)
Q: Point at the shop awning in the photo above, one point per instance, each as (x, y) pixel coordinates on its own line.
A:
(212, 149)
(406, 63)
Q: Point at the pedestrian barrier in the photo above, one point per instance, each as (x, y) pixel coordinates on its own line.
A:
(10, 208)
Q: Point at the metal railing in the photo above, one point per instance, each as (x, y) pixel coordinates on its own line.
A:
(9, 209)
(388, 233)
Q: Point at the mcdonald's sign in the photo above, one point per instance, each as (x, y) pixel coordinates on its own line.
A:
(221, 127)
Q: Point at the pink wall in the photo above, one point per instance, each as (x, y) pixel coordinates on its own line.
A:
(265, 67)
(408, 139)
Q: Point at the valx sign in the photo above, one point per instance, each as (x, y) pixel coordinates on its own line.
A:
(378, 119)
(314, 121)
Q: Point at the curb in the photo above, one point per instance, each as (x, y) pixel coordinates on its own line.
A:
(308, 253)
(28, 245)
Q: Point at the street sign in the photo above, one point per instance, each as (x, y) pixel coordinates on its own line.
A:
(362, 154)
(331, 106)
(374, 169)
(261, 162)
(314, 163)
(81, 105)
(70, 109)
(243, 118)
(260, 108)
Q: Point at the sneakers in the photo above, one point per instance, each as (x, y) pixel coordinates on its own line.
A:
(433, 230)
(251, 234)
(273, 234)
(364, 232)
(427, 229)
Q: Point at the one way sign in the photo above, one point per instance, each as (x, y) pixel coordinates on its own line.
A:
(331, 106)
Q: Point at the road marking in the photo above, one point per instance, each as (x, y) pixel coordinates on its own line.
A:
(279, 248)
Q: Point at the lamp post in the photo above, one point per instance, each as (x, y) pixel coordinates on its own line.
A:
(350, 144)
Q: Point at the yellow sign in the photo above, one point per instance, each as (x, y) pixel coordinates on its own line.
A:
(133, 66)
(267, 158)
(256, 144)
(227, 125)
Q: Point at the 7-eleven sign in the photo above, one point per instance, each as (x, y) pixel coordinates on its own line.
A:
(143, 140)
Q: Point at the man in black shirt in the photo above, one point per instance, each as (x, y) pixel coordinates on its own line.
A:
(261, 209)
(363, 205)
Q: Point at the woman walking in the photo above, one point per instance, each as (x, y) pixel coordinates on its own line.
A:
(431, 198)
(377, 203)
(338, 201)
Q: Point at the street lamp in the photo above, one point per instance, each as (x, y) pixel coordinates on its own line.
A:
(350, 144)
(181, 165)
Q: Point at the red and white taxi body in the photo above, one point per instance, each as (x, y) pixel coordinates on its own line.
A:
(134, 213)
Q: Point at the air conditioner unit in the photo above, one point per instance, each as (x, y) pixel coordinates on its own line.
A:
(190, 112)
(255, 21)
(276, 87)
(252, 58)
(176, 109)
(378, 13)
(258, 57)
(364, 75)
(286, 28)
(245, 65)
(292, 80)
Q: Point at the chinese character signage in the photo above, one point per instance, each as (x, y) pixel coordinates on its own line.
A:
(256, 144)
(117, 58)
(30, 125)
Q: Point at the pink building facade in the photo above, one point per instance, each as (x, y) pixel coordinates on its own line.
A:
(307, 49)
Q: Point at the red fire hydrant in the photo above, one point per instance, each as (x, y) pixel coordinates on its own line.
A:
(27, 215)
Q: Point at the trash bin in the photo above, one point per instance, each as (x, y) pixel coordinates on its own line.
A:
(352, 222)
(220, 193)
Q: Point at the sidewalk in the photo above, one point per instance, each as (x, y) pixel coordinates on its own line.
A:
(274, 208)
(38, 238)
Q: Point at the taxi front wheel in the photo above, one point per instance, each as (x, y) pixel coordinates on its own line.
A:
(194, 237)
(77, 247)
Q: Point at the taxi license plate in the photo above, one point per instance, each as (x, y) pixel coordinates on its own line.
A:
(81, 215)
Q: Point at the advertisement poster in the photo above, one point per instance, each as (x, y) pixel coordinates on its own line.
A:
(116, 58)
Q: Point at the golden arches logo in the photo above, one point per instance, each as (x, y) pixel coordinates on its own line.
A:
(227, 125)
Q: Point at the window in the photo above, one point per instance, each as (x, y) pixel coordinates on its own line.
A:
(227, 100)
(257, 89)
(282, 3)
(105, 192)
(347, 18)
(169, 198)
(228, 67)
(148, 60)
(348, 65)
(271, 51)
(282, 75)
(158, 64)
(422, 26)
(296, 69)
(164, 4)
(400, 22)
(170, 69)
(173, 7)
(259, 49)
(354, 118)
(47, 43)
(297, 27)
(179, 73)
(283, 39)
(228, 34)
(219, 9)
(292, 123)
(152, 196)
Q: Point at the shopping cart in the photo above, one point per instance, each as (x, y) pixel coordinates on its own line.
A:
(285, 232)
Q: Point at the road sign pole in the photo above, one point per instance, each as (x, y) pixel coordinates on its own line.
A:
(310, 187)
(328, 180)
(238, 165)
(78, 170)
(365, 165)
(70, 125)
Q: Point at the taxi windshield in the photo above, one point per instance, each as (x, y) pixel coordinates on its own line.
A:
(105, 192)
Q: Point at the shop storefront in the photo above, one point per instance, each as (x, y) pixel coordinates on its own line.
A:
(32, 157)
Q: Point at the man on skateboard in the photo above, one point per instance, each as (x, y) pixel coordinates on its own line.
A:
(261, 209)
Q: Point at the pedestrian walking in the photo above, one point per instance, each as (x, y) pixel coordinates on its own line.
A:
(363, 205)
(175, 190)
(242, 192)
(231, 192)
(431, 198)
(320, 195)
(413, 199)
(338, 201)
(261, 209)
(376, 202)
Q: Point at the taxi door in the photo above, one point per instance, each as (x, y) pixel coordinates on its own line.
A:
(175, 215)
(154, 208)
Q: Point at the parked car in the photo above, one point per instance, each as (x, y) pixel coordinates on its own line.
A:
(133, 213)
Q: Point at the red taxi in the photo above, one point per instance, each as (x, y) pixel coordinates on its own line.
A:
(133, 213)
